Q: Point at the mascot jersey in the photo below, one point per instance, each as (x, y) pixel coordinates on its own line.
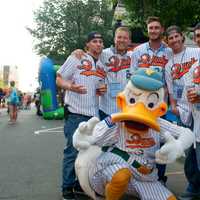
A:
(141, 153)
(130, 141)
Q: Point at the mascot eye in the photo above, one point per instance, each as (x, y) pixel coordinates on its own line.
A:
(151, 105)
(132, 100)
(152, 100)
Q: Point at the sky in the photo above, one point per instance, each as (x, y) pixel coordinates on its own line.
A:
(16, 43)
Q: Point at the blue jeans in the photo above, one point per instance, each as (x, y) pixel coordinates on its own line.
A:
(192, 171)
(70, 153)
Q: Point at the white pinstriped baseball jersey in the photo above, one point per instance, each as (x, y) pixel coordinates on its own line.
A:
(144, 56)
(177, 77)
(118, 70)
(195, 82)
(87, 73)
(140, 149)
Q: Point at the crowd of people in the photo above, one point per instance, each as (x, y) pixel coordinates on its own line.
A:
(92, 79)
(15, 100)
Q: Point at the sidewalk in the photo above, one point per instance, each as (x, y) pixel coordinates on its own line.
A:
(3, 111)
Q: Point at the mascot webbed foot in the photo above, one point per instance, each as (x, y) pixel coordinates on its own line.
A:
(118, 184)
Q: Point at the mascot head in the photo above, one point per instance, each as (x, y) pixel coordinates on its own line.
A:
(141, 102)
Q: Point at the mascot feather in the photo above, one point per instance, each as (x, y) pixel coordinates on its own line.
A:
(118, 155)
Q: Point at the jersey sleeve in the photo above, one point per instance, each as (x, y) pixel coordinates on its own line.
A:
(68, 68)
(106, 132)
(134, 60)
(168, 77)
(173, 129)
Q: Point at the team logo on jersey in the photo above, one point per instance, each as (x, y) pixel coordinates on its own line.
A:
(86, 66)
(196, 75)
(178, 70)
(159, 61)
(146, 61)
(136, 141)
(116, 64)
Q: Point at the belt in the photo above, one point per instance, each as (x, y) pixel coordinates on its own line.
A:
(123, 154)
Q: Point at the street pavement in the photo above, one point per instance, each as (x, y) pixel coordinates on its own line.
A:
(31, 159)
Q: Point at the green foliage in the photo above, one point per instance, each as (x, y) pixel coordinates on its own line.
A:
(62, 25)
(184, 13)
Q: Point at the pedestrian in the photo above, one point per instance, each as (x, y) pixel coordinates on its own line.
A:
(13, 101)
(197, 34)
(153, 54)
(179, 78)
(37, 99)
(1, 97)
(80, 80)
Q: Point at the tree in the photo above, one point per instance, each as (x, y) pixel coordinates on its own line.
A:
(62, 25)
(183, 13)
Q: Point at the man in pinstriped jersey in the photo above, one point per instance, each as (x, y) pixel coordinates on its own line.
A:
(153, 54)
(80, 79)
(177, 74)
(179, 79)
(116, 60)
(192, 161)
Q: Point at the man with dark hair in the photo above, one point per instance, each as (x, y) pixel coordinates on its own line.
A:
(197, 34)
(153, 54)
(182, 77)
(153, 19)
(116, 61)
(79, 79)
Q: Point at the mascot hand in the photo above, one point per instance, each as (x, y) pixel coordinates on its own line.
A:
(170, 151)
(83, 138)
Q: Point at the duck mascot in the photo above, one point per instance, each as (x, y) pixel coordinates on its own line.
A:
(118, 155)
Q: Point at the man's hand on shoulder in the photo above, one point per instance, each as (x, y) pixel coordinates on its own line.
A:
(78, 53)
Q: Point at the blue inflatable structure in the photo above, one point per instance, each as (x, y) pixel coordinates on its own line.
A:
(47, 81)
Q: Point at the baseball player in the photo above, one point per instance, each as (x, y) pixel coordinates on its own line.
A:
(116, 60)
(80, 79)
(177, 73)
(192, 162)
(179, 79)
(153, 54)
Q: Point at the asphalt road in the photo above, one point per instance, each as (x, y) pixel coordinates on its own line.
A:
(31, 158)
